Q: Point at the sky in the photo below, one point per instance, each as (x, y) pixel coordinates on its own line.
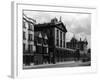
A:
(77, 24)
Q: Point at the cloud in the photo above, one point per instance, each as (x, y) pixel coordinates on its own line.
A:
(81, 25)
(69, 35)
(40, 17)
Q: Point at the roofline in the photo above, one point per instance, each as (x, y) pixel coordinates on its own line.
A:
(29, 19)
(54, 25)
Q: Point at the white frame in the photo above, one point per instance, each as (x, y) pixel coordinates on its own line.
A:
(17, 68)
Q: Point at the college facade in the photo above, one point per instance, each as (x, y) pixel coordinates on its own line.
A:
(46, 43)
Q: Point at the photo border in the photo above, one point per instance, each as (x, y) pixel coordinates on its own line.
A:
(17, 70)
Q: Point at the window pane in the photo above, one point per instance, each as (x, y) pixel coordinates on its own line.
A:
(45, 50)
(24, 37)
(30, 48)
(60, 39)
(57, 38)
(45, 41)
(23, 47)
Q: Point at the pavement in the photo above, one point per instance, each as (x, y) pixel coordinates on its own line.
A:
(58, 65)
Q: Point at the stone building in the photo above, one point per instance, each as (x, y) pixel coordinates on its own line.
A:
(56, 33)
(28, 40)
(41, 44)
(78, 48)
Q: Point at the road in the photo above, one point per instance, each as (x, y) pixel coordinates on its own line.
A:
(58, 65)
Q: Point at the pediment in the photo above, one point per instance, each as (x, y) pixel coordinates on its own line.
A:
(62, 27)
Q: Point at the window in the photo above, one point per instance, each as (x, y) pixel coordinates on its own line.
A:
(23, 47)
(24, 36)
(45, 50)
(64, 44)
(45, 41)
(64, 40)
(38, 49)
(60, 43)
(57, 42)
(30, 26)
(30, 48)
(57, 37)
(35, 41)
(30, 37)
(60, 39)
(57, 33)
(39, 40)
